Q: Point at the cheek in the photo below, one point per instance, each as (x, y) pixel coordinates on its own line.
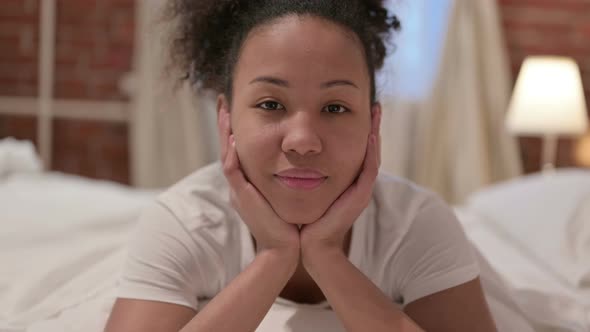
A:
(255, 144)
(349, 152)
(349, 145)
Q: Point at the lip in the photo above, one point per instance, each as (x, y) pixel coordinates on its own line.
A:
(301, 173)
(301, 178)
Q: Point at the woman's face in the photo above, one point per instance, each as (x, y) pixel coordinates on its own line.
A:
(300, 113)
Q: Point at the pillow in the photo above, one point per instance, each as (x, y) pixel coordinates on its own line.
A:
(546, 216)
(578, 230)
(18, 156)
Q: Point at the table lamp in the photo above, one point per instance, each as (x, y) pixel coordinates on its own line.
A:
(583, 151)
(548, 101)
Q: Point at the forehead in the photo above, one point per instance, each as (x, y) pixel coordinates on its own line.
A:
(302, 49)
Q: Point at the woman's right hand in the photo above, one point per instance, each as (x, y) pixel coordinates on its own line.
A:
(270, 231)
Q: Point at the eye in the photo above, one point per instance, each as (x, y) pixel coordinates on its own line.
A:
(270, 105)
(335, 108)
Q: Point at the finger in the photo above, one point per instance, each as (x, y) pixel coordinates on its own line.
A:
(232, 169)
(376, 116)
(221, 135)
(361, 189)
(378, 151)
(235, 175)
(224, 133)
(370, 165)
(376, 119)
(378, 135)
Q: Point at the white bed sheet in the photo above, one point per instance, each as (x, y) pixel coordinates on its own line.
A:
(545, 216)
(90, 315)
(61, 242)
(548, 302)
(535, 231)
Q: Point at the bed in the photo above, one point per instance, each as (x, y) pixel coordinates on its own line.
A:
(535, 232)
(62, 243)
(61, 240)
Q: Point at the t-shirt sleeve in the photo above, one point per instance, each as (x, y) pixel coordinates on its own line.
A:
(434, 255)
(165, 263)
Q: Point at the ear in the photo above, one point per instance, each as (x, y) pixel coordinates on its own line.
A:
(376, 117)
(375, 107)
(222, 109)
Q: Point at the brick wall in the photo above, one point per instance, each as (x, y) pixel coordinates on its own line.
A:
(94, 49)
(548, 27)
(94, 44)
(19, 35)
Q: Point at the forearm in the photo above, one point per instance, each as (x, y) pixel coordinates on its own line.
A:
(242, 305)
(360, 305)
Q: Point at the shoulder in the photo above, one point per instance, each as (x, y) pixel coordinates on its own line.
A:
(200, 200)
(399, 201)
(190, 235)
(401, 189)
(423, 246)
(203, 193)
(409, 209)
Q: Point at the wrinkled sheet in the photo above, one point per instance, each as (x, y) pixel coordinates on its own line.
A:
(63, 242)
(547, 301)
(547, 216)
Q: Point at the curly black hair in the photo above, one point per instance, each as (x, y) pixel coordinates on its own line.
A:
(208, 35)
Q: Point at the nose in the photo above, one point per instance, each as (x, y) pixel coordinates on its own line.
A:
(300, 135)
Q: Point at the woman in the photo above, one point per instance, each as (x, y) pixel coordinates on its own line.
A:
(296, 210)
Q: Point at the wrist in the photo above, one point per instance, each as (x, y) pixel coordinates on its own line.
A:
(285, 257)
(318, 255)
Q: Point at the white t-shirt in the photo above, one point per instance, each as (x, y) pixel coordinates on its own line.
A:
(191, 243)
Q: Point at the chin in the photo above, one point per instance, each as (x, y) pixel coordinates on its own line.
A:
(299, 218)
(295, 221)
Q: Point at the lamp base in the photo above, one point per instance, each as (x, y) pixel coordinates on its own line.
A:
(549, 153)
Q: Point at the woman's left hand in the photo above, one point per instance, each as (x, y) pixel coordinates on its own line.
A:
(328, 233)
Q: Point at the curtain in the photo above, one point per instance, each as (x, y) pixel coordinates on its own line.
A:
(450, 137)
(172, 129)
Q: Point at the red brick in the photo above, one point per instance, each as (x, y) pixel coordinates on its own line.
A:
(19, 127)
(18, 90)
(18, 9)
(93, 149)
(94, 48)
(561, 5)
(119, 59)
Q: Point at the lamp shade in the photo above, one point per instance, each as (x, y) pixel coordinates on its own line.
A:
(548, 98)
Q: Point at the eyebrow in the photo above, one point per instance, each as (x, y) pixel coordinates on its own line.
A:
(285, 84)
